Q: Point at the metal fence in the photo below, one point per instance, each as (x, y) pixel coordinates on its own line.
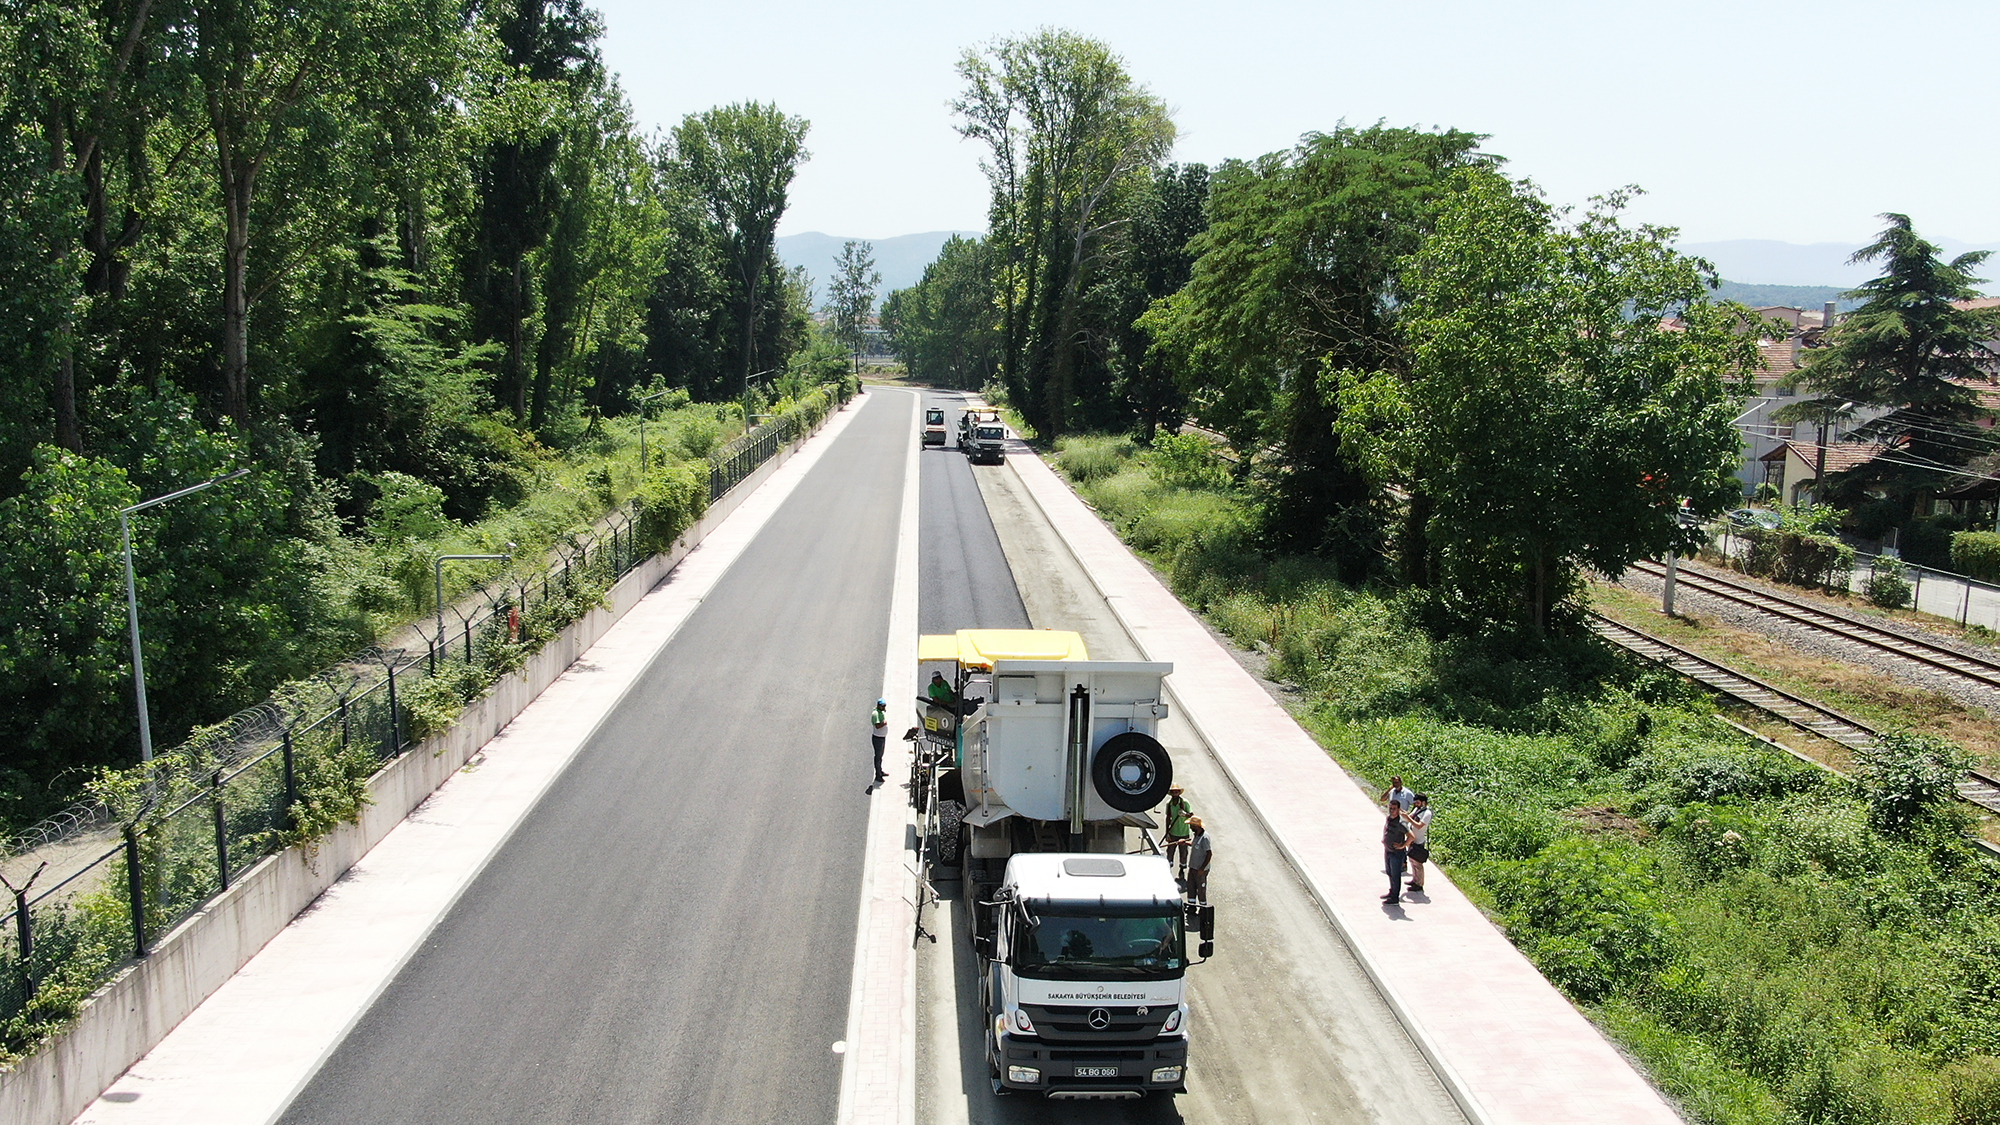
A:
(1960, 597)
(92, 887)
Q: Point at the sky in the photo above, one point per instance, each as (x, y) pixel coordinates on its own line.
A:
(1796, 122)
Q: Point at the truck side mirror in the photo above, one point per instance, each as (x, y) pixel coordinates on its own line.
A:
(1205, 950)
(1207, 924)
(983, 946)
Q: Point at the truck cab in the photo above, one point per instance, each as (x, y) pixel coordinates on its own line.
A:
(1087, 983)
(982, 436)
(989, 444)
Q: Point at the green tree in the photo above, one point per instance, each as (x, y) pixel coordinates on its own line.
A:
(1547, 420)
(739, 160)
(1912, 350)
(1299, 272)
(852, 298)
(1072, 139)
(947, 328)
(1156, 263)
(550, 63)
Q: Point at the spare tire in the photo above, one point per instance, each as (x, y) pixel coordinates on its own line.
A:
(1132, 772)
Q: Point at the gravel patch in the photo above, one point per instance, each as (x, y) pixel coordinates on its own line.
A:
(1815, 642)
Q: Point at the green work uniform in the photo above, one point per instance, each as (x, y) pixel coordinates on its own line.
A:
(1177, 818)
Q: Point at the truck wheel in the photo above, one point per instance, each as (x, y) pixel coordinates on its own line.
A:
(1132, 772)
(951, 818)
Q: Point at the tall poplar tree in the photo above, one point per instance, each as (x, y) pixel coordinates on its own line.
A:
(739, 160)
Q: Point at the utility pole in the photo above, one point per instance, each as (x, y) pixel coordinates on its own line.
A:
(132, 604)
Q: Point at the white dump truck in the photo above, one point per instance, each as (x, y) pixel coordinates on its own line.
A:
(1037, 774)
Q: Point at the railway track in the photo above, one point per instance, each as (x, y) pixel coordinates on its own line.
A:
(1856, 629)
(1814, 718)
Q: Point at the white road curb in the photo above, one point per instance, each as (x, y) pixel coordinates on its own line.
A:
(878, 1077)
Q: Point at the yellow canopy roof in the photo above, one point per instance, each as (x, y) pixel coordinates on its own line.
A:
(979, 648)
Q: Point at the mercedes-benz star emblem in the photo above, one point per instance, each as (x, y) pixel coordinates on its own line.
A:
(1100, 1018)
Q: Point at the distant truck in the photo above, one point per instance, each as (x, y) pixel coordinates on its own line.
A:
(933, 427)
(1032, 776)
(982, 436)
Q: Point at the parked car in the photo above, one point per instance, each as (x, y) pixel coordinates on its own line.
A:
(1755, 517)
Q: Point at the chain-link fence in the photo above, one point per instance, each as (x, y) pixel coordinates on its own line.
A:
(104, 881)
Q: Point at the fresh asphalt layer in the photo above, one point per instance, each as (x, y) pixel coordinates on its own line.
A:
(668, 936)
(964, 579)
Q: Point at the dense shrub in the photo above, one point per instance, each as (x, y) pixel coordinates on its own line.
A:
(670, 499)
(1590, 914)
(1714, 840)
(1888, 584)
(1909, 782)
(1680, 772)
(1798, 558)
(1977, 553)
(1187, 461)
(1975, 1091)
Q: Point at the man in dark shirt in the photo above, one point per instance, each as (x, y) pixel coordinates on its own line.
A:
(1200, 859)
(1395, 851)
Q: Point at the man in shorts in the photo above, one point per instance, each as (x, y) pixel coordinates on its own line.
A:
(1419, 820)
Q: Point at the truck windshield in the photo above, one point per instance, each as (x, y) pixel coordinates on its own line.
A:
(993, 432)
(1099, 944)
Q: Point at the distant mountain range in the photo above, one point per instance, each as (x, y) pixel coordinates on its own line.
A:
(1784, 273)
(901, 259)
(1809, 297)
(1766, 262)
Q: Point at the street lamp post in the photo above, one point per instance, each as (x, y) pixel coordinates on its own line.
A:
(132, 603)
(437, 569)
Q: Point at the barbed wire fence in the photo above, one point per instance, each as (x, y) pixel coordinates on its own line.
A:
(103, 881)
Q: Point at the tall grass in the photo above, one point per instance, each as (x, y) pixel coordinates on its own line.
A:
(1762, 936)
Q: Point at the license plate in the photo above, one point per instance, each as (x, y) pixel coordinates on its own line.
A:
(1097, 1072)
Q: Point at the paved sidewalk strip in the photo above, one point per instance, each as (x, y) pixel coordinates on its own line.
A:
(878, 1081)
(1512, 1048)
(247, 1051)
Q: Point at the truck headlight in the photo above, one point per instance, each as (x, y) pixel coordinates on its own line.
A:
(1173, 1021)
(1030, 1075)
(1022, 1023)
(1162, 1074)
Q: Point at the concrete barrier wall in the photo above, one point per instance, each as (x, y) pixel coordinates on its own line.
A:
(134, 1011)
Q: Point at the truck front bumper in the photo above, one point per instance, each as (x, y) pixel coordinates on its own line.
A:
(1093, 1070)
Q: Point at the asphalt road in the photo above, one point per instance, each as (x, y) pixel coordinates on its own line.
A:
(963, 578)
(669, 935)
